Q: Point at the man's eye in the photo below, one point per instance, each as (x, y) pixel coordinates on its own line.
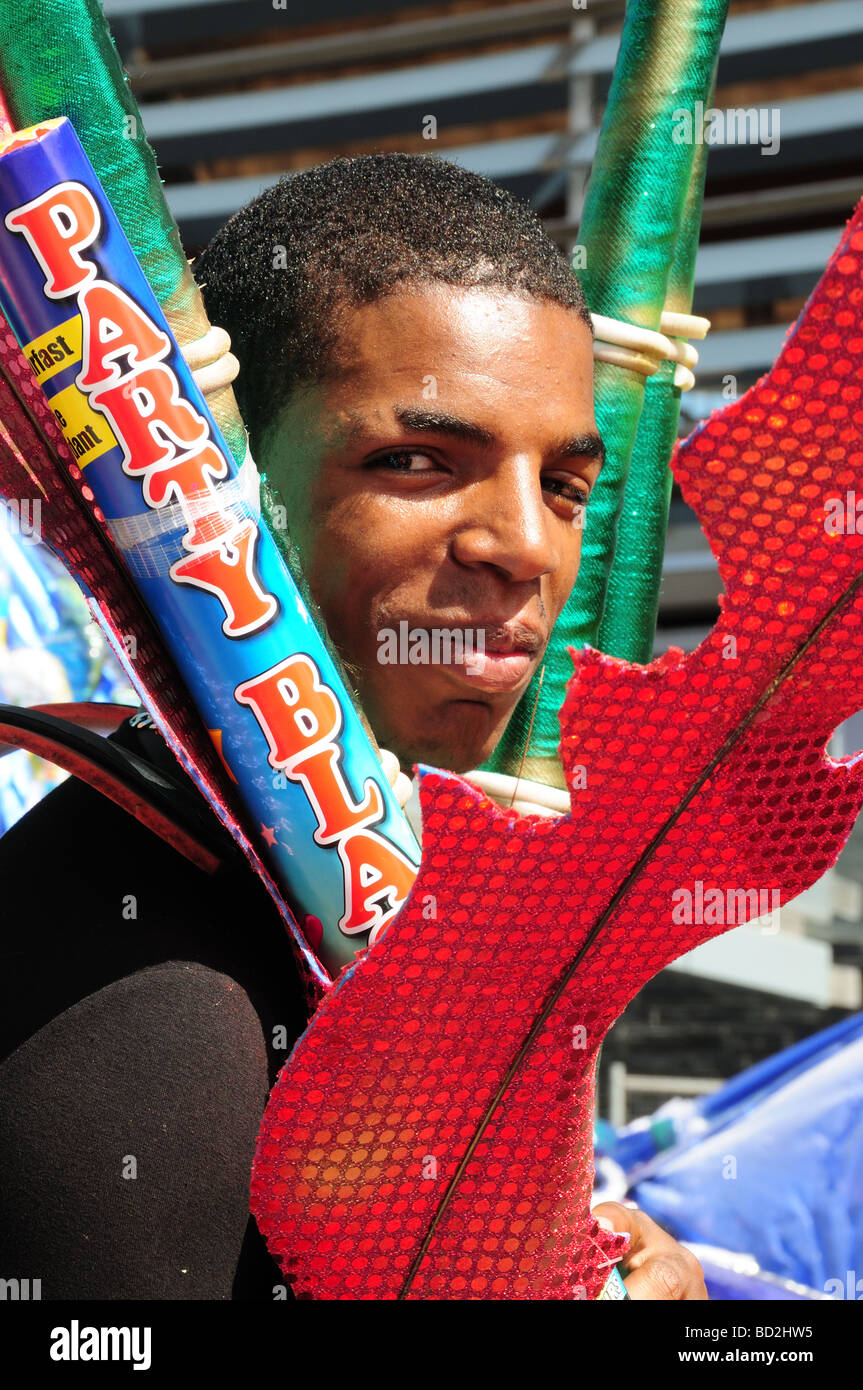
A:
(405, 461)
(568, 490)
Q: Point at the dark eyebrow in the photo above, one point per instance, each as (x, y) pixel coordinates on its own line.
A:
(437, 422)
(587, 445)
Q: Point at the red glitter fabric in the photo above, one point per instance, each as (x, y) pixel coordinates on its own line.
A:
(430, 1135)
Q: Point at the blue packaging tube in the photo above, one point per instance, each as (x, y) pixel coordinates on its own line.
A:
(188, 524)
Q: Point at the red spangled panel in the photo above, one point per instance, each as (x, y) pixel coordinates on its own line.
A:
(430, 1135)
(35, 462)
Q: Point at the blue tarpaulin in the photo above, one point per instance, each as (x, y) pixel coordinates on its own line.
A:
(772, 1165)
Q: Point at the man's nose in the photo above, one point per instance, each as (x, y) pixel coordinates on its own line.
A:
(508, 524)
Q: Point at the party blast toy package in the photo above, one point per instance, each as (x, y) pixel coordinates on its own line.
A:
(187, 522)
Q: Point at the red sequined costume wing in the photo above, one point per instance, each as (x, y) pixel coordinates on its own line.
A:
(429, 1137)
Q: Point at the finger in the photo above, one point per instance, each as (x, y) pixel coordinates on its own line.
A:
(654, 1250)
(390, 765)
(657, 1279)
(413, 810)
(402, 786)
(675, 1276)
(398, 780)
(647, 1235)
(614, 1216)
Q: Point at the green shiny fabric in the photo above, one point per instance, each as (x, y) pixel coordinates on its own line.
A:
(58, 59)
(628, 620)
(638, 206)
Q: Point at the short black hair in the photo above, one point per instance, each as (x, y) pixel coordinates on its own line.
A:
(346, 233)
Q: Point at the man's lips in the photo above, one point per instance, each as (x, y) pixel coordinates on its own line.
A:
(494, 671)
(500, 657)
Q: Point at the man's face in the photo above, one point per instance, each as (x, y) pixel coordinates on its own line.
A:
(440, 481)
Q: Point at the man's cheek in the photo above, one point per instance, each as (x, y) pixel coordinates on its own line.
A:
(393, 702)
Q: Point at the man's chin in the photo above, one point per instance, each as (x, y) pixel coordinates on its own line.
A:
(457, 739)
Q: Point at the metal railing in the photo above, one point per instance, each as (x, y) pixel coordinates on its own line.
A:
(622, 1084)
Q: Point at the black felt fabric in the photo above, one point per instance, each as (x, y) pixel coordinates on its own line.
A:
(145, 1010)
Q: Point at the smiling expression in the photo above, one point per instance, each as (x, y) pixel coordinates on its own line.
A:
(439, 477)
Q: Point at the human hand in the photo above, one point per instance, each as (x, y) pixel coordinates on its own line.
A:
(655, 1266)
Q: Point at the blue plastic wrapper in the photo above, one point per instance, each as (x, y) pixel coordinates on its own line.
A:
(189, 527)
(779, 1172)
